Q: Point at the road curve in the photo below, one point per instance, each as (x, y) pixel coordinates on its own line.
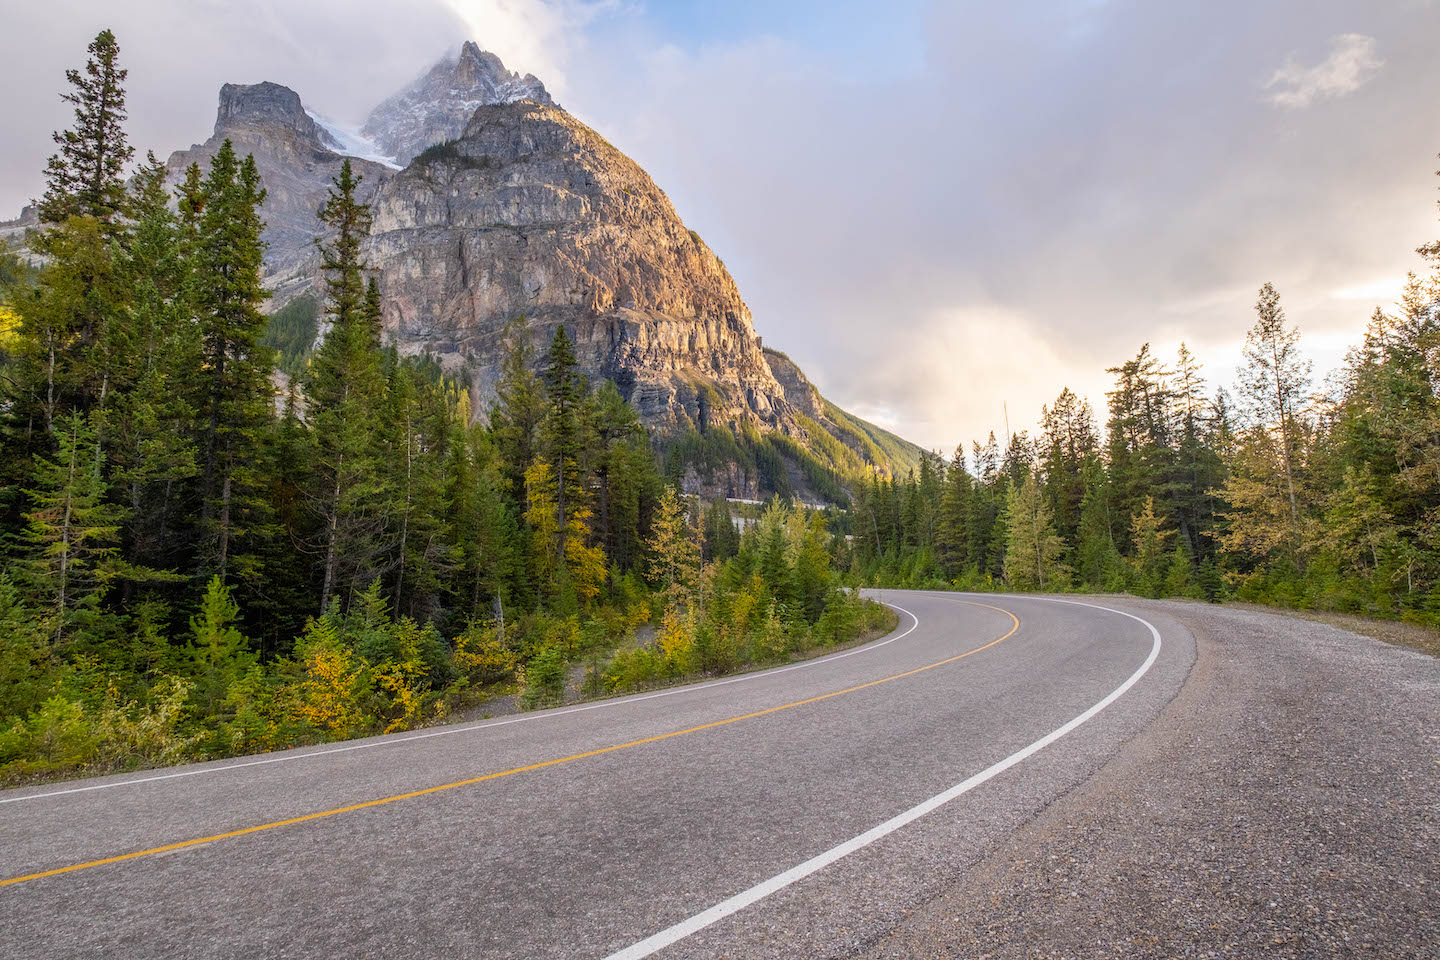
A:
(801, 811)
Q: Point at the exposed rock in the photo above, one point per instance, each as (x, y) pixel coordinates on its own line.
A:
(531, 213)
(297, 160)
(437, 107)
(525, 211)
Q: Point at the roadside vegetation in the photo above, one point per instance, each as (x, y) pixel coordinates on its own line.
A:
(1279, 491)
(197, 564)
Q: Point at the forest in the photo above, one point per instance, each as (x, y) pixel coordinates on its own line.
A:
(1280, 492)
(215, 541)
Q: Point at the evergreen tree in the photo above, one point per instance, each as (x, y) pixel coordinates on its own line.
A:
(234, 395)
(1274, 381)
(345, 389)
(515, 419)
(219, 651)
(562, 439)
(87, 176)
(1149, 559)
(674, 550)
(1100, 566)
(1033, 549)
(71, 532)
(953, 534)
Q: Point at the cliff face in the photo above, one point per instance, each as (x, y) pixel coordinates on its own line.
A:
(520, 210)
(531, 213)
(439, 105)
(297, 159)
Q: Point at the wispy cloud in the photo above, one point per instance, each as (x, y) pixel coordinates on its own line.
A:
(1351, 64)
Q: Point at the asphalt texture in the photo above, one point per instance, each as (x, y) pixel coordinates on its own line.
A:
(1198, 762)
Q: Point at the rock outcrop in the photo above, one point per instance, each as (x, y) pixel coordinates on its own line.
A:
(531, 213)
(297, 160)
(438, 106)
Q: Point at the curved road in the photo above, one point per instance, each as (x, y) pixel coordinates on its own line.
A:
(830, 808)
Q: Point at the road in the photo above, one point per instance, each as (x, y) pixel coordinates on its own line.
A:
(1006, 775)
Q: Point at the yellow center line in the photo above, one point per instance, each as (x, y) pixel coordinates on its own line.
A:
(514, 770)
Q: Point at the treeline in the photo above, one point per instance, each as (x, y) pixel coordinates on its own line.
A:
(204, 554)
(1276, 493)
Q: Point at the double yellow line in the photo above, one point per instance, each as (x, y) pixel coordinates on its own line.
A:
(514, 770)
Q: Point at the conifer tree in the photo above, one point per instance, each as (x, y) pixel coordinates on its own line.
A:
(87, 176)
(159, 350)
(345, 388)
(1274, 381)
(219, 651)
(564, 392)
(953, 533)
(674, 549)
(1149, 558)
(234, 396)
(72, 531)
(1033, 550)
(516, 417)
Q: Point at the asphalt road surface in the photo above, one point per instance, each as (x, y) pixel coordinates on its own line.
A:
(1003, 776)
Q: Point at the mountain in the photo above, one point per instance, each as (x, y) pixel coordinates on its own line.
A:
(439, 105)
(507, 206)
(531, 213)
(297, 158)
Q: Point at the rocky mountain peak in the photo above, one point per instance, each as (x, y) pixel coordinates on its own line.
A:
(296, 157)
(268, 105)
(436, 107)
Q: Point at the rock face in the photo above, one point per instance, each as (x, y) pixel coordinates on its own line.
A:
(297, 159)
(523, 211)
(531, 213)
(437, 107)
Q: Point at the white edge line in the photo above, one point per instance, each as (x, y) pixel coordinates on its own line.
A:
(470, 728)
(741, 900)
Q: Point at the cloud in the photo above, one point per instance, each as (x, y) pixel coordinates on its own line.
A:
(1019, 201)
(531, 36)
(1351, 64)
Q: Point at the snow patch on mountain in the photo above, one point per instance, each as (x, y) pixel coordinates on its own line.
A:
(352, 143)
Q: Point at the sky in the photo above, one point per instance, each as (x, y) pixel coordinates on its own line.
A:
(944, 212)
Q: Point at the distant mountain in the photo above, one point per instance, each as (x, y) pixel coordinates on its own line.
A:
(437, 107)
(507, 206)
(297, 158)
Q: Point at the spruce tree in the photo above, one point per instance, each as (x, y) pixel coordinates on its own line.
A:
(234, 396)
(346, 389)
(562, 439)
(1033, 550)
(87, 176)
(72, 531)
(953, 533)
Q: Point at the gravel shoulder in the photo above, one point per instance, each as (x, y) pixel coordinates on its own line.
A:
(1285, 804)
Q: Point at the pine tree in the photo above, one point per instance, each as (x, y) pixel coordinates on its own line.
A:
(1033, 549)
(1274, 382)
(515, 419)
(953, 533)
(1096, 555)
(345, 388)
(483, 533)
(159, 350)
(1149, 559)
(234, 396)
(674, 550)
(219, 651)
(561, 437)
(87, 176)
(1069, 440)
(72, 531)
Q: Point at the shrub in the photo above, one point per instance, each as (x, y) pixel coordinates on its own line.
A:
(544, 680)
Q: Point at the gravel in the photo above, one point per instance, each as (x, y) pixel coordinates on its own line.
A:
(1286, 804)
